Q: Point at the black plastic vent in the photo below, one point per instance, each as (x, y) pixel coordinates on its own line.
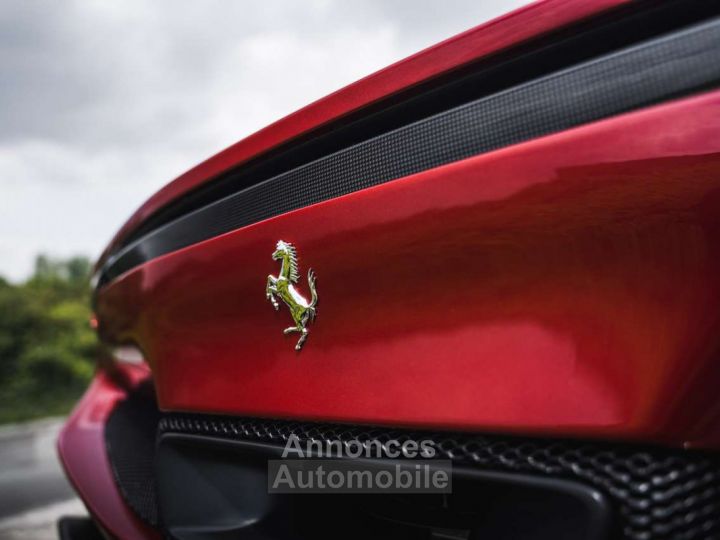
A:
(660, 493)
(130, 441)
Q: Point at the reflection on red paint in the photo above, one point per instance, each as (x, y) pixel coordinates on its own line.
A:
(567, 285)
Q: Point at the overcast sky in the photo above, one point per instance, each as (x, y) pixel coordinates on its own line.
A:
(102, 103)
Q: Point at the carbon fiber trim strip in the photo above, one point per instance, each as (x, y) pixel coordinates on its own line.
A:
(675, 65)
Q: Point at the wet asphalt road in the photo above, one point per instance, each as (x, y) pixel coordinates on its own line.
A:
(33, 488)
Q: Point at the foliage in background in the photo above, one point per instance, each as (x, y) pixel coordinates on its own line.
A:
(47, 348)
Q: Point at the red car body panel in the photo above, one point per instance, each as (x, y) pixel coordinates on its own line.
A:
(82, 451)
(484, 40)
(564, 286)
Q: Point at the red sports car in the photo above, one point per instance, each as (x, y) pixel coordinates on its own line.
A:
(504, 250)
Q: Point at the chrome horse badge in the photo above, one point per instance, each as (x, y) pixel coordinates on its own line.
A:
(283, 286)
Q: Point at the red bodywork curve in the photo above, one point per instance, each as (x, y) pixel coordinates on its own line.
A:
(504, 32)
(564, 286)
(82, 452)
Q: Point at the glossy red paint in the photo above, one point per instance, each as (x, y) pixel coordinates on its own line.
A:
(489, 38)
(565, 286)
(82, 452)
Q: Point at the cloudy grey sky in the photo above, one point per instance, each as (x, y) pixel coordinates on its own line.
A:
(102, 103)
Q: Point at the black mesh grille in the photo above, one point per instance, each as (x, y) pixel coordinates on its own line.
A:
(660, 493)
(130, 441)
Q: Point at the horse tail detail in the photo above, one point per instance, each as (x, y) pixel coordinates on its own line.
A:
(313, 292)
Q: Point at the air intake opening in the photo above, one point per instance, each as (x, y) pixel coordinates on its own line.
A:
(211, 489)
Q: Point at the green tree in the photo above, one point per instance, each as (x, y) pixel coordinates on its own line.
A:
(47, 349)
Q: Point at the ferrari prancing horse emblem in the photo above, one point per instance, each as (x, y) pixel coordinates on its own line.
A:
(302, 311)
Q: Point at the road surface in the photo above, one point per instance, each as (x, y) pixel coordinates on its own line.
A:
(33, 490)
